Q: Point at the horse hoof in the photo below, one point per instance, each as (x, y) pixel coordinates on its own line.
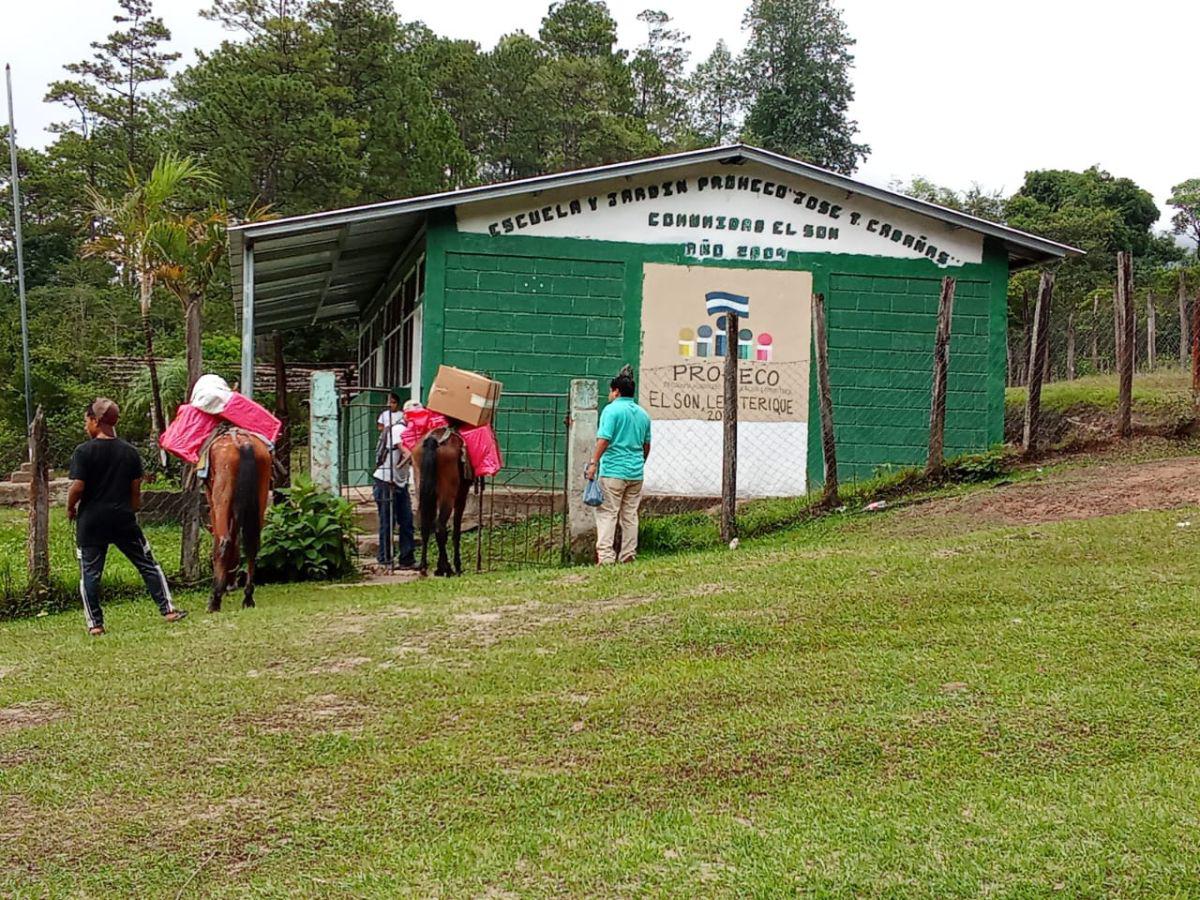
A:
(213, 609)
(247, 604)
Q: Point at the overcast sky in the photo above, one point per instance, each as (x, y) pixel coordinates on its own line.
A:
(957, 91)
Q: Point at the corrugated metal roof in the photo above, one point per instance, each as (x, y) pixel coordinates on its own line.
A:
(328, 265)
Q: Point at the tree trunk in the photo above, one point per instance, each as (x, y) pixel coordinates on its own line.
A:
(1071, 345)
(157, 420)
(283, 447)
(194, 330)
(1096, 334)
(189, 548)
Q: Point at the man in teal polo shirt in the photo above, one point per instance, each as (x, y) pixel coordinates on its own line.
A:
(622, 446)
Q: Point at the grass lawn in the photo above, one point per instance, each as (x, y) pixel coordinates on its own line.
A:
(845, 709)
(1164, 393)
(121, 580)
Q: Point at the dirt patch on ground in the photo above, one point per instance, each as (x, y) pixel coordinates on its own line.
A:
(29, 715)
(319, 712)
(1085, 493)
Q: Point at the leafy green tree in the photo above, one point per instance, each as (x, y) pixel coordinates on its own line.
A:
(113, 93)
(579, 28)
(516, 142)
(134, 228)
(657, 69)
(1185, 197)
(716, 98)
(974, 201)
(797, 63)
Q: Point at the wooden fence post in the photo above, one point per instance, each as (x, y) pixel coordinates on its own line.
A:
(38, 538)
(1125, 348)
(825, 401)
(941, 366)
(1071, 345)
(1041, 335)
(1096, 334)
(1196, 352)
(1184, 342)
(1151, 333)
(729, 417)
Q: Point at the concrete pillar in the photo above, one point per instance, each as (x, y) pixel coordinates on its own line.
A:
(581, 442)
(323, 432)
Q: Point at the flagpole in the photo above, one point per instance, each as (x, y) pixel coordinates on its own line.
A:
(16, 197)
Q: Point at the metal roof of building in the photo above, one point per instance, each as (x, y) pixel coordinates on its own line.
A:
(328, 265)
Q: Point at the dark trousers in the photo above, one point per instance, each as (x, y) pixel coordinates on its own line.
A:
(394, 507)
(137, 550)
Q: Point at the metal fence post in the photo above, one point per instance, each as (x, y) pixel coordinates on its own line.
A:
(583, 417)
(323, 432)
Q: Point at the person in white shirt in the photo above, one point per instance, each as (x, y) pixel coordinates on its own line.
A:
(389, 487)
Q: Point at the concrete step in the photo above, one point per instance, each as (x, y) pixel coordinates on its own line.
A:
(21, 477)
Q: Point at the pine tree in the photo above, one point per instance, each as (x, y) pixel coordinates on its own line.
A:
(715, 94)
(797, 65)
(658, 78)
(113, 94)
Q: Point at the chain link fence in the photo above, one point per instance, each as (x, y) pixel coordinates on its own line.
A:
(1082, 338)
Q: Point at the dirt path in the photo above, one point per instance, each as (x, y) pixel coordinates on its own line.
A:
(1106, 489)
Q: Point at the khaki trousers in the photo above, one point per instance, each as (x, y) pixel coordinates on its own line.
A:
(620, 506)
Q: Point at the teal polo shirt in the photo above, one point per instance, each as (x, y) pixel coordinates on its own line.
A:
(626, 427)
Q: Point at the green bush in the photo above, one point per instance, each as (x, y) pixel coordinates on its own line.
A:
(308, 537)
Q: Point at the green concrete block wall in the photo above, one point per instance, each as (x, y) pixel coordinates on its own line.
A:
(881, 330)
(533, 323)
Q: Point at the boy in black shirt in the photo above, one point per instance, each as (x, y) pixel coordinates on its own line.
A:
(105, 493)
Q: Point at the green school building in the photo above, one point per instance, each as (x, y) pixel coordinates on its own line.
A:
(545, 280)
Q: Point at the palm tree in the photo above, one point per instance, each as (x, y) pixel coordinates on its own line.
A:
(133, 230)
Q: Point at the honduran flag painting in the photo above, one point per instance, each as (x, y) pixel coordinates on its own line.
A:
(725, 302)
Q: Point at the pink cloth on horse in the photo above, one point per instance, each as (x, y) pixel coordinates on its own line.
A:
(187, 433)
(418, 423)
(245, 413)
(483, 450)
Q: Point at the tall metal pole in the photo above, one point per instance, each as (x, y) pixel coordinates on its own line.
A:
(16, 195)
(247, 385)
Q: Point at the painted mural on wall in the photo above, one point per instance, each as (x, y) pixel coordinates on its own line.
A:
(713, 211)
(684, 348)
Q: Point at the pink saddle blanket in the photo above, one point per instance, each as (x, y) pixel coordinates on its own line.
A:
(482, 450)
(245, 413)
(187, 433)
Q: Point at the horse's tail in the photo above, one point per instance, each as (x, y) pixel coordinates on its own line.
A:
(245, 499)
(428, 499)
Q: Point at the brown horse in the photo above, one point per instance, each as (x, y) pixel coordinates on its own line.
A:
(445, 484)
(239, 477)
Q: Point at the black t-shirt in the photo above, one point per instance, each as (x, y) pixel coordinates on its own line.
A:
(107, 469)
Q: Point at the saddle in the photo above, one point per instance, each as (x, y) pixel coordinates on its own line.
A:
(200, 471)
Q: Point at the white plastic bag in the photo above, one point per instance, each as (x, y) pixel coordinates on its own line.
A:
(210, 394)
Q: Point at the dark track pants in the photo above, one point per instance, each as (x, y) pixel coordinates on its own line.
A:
(137, 550)
(395, 509)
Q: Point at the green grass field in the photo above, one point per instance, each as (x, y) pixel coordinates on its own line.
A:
(121, 580)
(849, 708)
(1165, 394)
